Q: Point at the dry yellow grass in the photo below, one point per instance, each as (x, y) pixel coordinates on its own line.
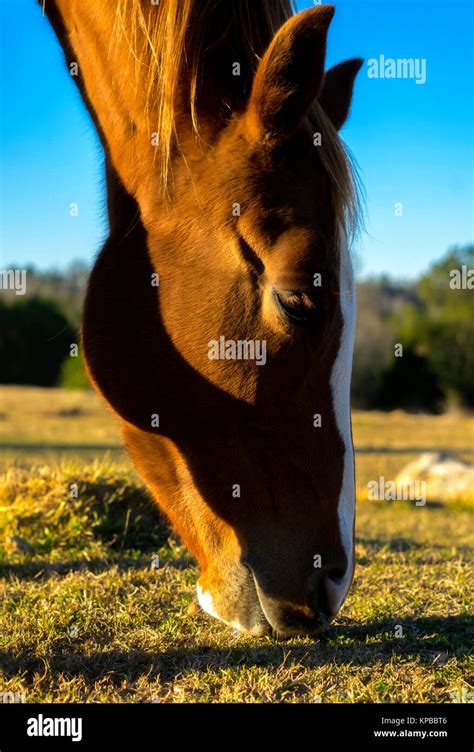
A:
(84, 616)
(50, 423)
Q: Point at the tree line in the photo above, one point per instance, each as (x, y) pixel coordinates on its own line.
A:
(414, 343)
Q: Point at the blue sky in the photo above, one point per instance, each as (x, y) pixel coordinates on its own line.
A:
(413, 143)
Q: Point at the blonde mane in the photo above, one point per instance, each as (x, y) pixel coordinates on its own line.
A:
(168, 41)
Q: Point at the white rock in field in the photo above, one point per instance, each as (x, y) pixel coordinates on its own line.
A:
(447, 476)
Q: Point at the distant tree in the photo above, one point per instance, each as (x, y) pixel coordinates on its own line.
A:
(442, 329)
(378, 300)
(66, 288)
(409, 383)
(73, 373)
(35, 337)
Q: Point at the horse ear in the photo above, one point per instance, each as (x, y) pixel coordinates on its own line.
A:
(336, 93)
(289, 76)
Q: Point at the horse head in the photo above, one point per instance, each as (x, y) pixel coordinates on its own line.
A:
(219, 319)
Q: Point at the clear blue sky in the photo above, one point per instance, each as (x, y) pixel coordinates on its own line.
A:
(413, 143)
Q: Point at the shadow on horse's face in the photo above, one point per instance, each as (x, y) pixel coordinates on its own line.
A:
(256, 295)
(257, 469)
(259, 303)
(232, 375)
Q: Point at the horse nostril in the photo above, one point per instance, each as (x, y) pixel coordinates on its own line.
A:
(323, 598)
(336, 575)
(331, 591)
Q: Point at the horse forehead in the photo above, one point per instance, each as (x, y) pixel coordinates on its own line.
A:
(296, 208)
(298, 244)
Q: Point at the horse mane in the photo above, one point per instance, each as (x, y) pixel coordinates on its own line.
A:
(169, 43)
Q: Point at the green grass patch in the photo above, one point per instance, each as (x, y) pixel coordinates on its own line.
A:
(87, 617)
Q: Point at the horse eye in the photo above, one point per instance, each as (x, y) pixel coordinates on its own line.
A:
(298, 306)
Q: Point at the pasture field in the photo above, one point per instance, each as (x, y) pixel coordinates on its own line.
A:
(97, 596)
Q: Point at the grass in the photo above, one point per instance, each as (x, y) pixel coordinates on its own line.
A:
(87, 615)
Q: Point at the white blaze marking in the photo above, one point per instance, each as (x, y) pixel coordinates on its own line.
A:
(205, 601)
(340, 387)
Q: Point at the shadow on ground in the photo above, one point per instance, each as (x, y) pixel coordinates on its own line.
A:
(425, 639)
(39, 570)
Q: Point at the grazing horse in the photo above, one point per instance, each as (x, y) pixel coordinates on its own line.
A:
(219, 317)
